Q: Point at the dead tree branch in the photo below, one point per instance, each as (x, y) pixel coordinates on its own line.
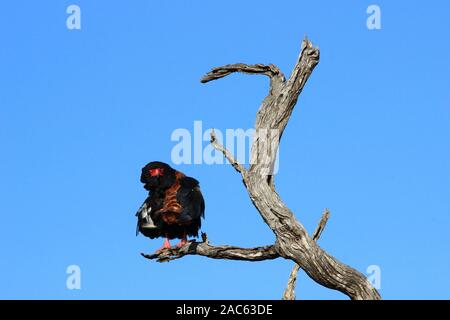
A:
(236, 165)
(322, 223)
(275, 75)
(289, 292)
(215, 252)
(292, 239)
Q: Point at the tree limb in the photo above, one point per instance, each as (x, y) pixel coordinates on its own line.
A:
(236, 165)
(272, 71)
(292, 239)
(289, 292)
(322, 223)
(215, 252)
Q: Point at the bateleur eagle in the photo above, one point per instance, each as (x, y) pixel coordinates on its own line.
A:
(174, 207)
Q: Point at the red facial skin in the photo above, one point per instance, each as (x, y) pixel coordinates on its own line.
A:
(156, 172)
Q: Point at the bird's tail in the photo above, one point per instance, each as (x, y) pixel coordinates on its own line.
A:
(144, 220)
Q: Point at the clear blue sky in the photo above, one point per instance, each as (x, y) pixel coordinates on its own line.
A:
(81, 111)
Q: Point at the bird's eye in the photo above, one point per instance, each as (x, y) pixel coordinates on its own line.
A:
(156, 172)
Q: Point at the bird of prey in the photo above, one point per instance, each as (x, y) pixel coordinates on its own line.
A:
(174, 206)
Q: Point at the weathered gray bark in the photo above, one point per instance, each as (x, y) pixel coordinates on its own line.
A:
(289, 292)
(292, 239)
(216, 252)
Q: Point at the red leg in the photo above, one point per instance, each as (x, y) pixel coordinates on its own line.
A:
(183, 241)
(166, 245)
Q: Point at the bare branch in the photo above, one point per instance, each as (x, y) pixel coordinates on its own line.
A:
(275, 112)
(289, 292)
(306, 62)
(215, 252)
(270, 70)
(236, 165)
(292, 240)
(322, 223)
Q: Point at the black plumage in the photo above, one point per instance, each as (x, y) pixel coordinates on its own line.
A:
(174, 207)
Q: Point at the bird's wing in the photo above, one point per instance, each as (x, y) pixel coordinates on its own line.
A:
(191, 199)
